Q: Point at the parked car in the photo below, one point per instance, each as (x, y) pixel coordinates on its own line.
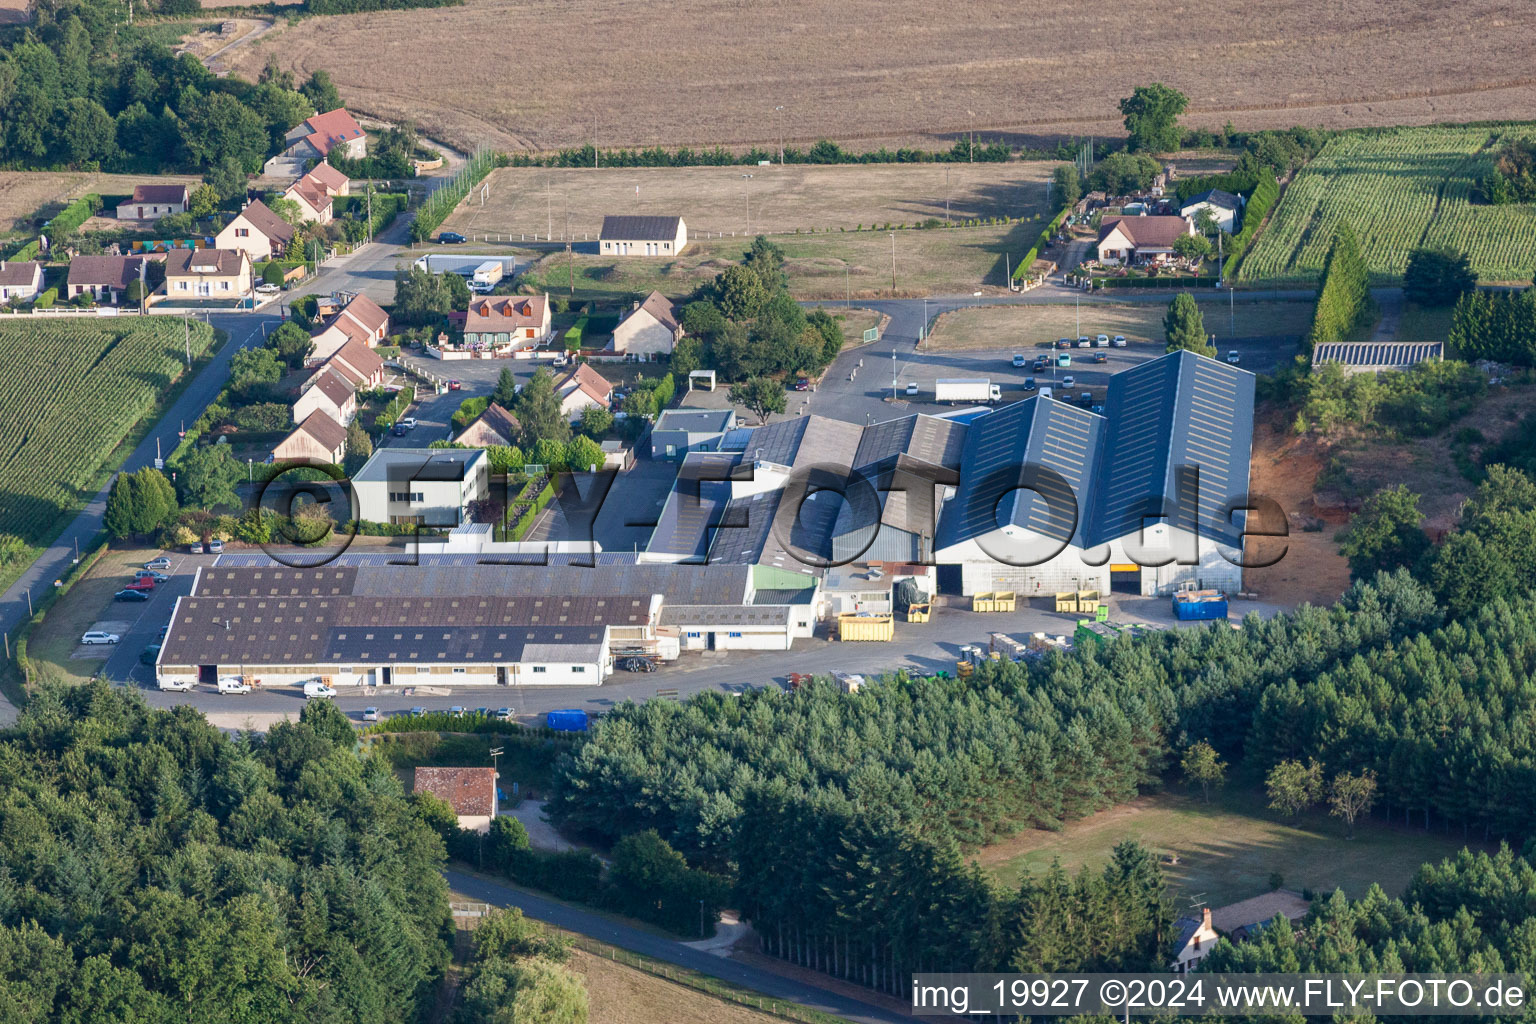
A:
(1118, 341)
(215, 546)
(1085, 342)
(195, 548)
(504, 715)
(1232, 357)
(160, 636)
(1067, 381)
(638, 665)
(1102, 341)
(370, 714)
(802, 383)
(178, 685)
(1085, 399)
(1039, 363)
(1063, 342)
(315, 688)
(1100, 357)
(418, 711)
(454, 385)
(912, 388)
(1018, 359)
(150, 574)
(140, 583)
(1029, 384)
(130, 595)
(148, 655)
(158, 563)
(450, 238)
(1098, 409)
(267, 289)
(1063, 359)
(409, 422)
(233, 684)
(96, 636)
(457, 711)
(400, 430)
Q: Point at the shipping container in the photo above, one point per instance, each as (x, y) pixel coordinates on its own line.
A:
(866, 627)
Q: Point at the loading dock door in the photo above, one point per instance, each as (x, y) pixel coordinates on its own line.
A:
(207, 673)
(1125, 577)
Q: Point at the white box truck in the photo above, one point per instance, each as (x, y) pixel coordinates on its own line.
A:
(486, 276)
(965, 389)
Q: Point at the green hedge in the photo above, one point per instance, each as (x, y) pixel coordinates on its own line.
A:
(1029, 257)
(25, 252)
(46, 298)
(575, 333)
(385, 418)
(525, 521)
(1259, 204)
(1203, 281)
(69, 219)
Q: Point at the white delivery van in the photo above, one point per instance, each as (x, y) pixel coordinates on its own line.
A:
(315, 688)
(233, 684)
(179, 685)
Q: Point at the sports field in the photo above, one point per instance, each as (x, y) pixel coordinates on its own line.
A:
(1399, 190)
(993, 327)
(749, 200)
(1227, 849)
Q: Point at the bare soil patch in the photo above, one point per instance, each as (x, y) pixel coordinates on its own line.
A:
(756, 200)
(892, 71)
(1307, 566)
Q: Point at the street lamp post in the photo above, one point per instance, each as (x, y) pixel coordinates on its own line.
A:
(780, 111)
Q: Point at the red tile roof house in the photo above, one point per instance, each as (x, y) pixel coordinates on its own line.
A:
(329, 178)
(334, 131)
(1139, 239)
(507, 322)
(369, 315)
(471, 791)
(258, 231)
(105, 278)
(583, 388)
(319, 438)
(314, 201)
(151, 202)
(327, 391)
(359, 364)
(494, 426)
(20, 280)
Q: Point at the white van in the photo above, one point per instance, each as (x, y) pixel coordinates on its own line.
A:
(1045, 392)
(315, 688)
(179, 685)
(233, 684)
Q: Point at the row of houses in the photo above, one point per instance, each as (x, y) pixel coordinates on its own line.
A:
(343, 364)
(504, 325)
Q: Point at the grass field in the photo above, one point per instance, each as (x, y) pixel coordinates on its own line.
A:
(899, 70)
(779, 199)
(620, 994)
(1399, 190)
(946, 261)
(71, 390)
(24, 194)
(992, 327)
(1227, 849)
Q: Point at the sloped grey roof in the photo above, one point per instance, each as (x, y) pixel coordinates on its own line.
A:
(1216, 197)
(695, 506)
(639, 229)
(1397, 355)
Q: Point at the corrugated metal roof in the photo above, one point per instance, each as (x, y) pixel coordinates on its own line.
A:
(715, 615)
(695, 507)
(626, 228)
(1395, 355)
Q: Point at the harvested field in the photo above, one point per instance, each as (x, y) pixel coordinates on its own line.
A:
(981, 327)
(822, 266)
(15, 12)
(892, 72)
(23, 194)
(779, 199)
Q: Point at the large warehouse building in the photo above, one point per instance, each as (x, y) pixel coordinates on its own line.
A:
(455, 621)
(1038, 496)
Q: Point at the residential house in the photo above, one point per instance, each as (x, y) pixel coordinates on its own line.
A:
(338, 331)
(151, 202)
(495, 426)
(327, 391)
(207, 274)
(368, 315)
(643, 236)
(507, 322)
(329, 178)
(318, 438)
(583, 388)
(650, 328)
(1245, 919)
(1193, 940)
(471, 791)
(105, 278)
(425, 486)
(334, 131)
(313, 200)
(680, 431)
(359, 364)
(1127, 240)
(20, 280)
(257, 231)
(1224, 206)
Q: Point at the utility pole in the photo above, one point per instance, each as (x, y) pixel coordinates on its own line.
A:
(780, 111)
(946, 193)
(893, 263)
(972, 153)
(549, 212)
(370, 211)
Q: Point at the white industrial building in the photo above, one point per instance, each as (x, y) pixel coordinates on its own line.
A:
(425, 486)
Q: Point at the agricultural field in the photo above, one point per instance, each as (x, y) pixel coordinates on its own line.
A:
(1227, 849)
(821, 266)
(779, 199)
(982, 328)
(1399, 190)
(73, 389)
(25, 194)
(892, 72)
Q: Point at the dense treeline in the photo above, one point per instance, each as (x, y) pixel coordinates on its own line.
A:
(843, 817)
(1344, 303)
(156, 870)
(1500, 326)
(822, 152)
(1512, 179)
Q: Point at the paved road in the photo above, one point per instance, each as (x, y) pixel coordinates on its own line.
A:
(605, 930)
